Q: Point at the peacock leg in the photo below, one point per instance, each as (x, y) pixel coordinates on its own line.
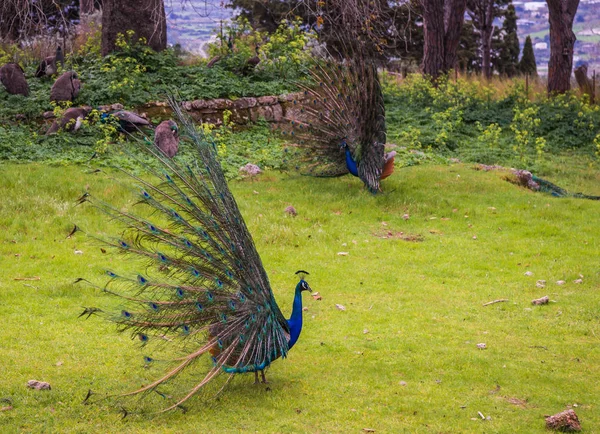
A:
(255, 377)
(262, 374)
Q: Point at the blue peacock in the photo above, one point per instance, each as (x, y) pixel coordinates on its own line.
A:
(205, 290)
(338, 125)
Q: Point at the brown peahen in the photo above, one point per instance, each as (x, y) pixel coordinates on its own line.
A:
(338, 125)
(13, 78)
(48, 65)
(204, 292)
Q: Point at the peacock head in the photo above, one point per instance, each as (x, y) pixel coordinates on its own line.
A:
(303, 284)
(343, 144)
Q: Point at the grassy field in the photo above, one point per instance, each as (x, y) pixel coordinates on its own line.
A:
(402, 357)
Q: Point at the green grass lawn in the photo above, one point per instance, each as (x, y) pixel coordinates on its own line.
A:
(402, 357)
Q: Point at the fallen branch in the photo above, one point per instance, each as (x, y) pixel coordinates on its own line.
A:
(27, 278)
(495, 301)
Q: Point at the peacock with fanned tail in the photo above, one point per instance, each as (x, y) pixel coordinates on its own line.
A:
(338, 126)
(205, 290)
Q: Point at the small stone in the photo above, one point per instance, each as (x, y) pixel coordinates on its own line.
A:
(578, 281)
(365, 331)
(403, 383)
(560, 282)
(291, 211)
(340, 306)
(540, 301)
(305, 309)
(38, 385)
(565, 421)
(528, 273)
(250, 169)
(406, 216)
(78, 252)
(540, 284)
(482, 346)
(474, 237)
(343, 253)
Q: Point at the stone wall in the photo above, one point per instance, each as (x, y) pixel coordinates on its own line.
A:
(243, 110)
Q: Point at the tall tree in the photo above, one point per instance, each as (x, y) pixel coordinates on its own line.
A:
(442, 24)
(527, 65)
(145, 17)
(469, 50)
(562, 40)
(408, 24)
(483, 13)
(507, 45)
(344, 25)
(267, 14)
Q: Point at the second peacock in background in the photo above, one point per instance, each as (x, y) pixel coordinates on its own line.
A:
(338, 124)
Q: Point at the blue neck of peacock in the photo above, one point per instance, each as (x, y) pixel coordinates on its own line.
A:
(295, 321)
(350, 163)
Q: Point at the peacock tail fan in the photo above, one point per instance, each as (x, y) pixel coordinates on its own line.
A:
(202, 292)
(340, 102)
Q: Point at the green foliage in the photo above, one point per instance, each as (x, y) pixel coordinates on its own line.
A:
(282, 53)
(527, 64)
(490, 136)
(525, 126)
(255, 144)
(474, 122)
(135, 75)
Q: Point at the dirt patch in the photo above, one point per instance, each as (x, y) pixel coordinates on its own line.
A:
(388, 234)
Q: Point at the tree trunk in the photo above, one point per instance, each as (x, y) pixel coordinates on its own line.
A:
(433, 28)
(442, 23)
(562, 41)
(585, 84)
(145, 17)
(487, 31)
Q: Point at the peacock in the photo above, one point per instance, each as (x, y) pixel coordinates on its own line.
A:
(128, 121)
(525, 178)
(205, 291)
(338, 125)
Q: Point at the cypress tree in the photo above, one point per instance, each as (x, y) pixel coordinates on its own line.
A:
(527, 64)
(507, 62)
(469, 59)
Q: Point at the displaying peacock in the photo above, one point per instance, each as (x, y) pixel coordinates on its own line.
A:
(338, 125)
(204, 291)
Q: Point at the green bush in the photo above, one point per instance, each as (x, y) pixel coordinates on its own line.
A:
(492, 123)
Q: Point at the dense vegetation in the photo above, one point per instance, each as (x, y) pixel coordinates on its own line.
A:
(499, 122)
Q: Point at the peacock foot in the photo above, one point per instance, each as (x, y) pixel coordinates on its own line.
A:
(264, 380)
